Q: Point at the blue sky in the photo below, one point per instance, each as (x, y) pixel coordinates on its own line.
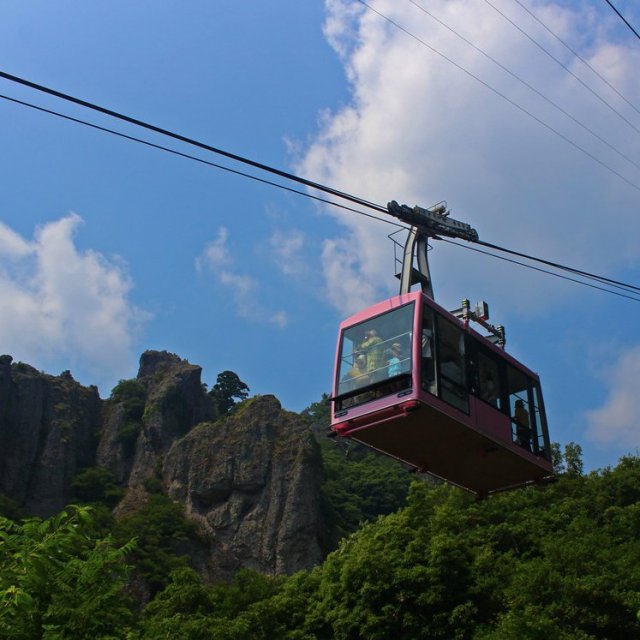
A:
(109, 248)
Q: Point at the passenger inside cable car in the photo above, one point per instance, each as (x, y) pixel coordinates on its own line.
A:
(366, 354)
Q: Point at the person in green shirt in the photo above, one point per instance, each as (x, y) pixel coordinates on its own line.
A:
(372, 347)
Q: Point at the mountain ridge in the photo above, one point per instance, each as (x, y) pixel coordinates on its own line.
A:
(249, 481)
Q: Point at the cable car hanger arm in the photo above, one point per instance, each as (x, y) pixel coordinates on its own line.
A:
(432, 223)
(425, 224)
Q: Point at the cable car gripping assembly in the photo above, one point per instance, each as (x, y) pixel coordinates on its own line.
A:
(432, 223)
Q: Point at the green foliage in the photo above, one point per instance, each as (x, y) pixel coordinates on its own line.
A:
(181, 610)
(573, 459)
(359, 485)
(561, 561)
(131, 394)
(59, 580)
(569, 461)
(96, 485)
(320, 412)
(128, 434)
(557, 458)
(227, 391)
(175, 410)
(558, 562)
(160, 529)
(555, 562)
(9, 509)
(191, 610)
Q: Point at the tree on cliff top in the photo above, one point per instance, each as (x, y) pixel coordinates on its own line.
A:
(227, 391)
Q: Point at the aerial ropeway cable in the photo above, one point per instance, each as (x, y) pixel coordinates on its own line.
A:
(310, 184)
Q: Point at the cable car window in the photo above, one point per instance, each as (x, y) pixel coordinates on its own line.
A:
(539, 423)
(451, 365)
(519, 407)
(428, 361)
(373, 352)
(489, 380)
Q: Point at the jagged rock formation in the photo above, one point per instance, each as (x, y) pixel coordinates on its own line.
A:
(250, 481)
(173, 402)
(48, 432)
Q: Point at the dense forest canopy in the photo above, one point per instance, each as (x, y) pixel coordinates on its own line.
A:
(561, 561)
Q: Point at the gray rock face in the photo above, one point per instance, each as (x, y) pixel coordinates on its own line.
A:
(174, 402)
(250, 481)
(48, 432)
(252, 484)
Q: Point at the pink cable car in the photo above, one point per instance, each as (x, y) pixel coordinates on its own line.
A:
(418, 383)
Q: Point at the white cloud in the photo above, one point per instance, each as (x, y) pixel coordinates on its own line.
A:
(287, 251)
(12, 244)
(64, 305)
(216, 254)
(243, 289)
(417, 129)
(616, 422)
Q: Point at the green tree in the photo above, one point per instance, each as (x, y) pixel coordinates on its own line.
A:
(161, 530)
(359, 485)
(560, 561)
(96, 485)
(189, 609)
(227, 391)
(58, 580)
(573, 459)
(568, 461)
(131, 394)
(557, 459)
(182, 610)
(320, 412)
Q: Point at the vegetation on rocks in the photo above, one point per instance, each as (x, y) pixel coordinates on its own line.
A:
(561, 561)
(403, 558)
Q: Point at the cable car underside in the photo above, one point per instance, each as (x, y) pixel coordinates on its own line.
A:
(434, 443)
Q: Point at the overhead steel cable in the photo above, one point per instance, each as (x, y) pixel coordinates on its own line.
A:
(623, 19)
(503, 96)
(539, 93)
(564, 66)
(577, 55)
(377, 207)
(592, 276)
(190, 141)
(545, 271)
(188, 156)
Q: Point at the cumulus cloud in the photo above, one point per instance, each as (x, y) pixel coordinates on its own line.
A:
(420, 127)
(287, 251)
(616, 422)
(12, 244)
(60, 304)
(243, 289)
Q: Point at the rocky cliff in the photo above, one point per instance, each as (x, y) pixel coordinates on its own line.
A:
(48, 432)
(250, 481)
(144, 417)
